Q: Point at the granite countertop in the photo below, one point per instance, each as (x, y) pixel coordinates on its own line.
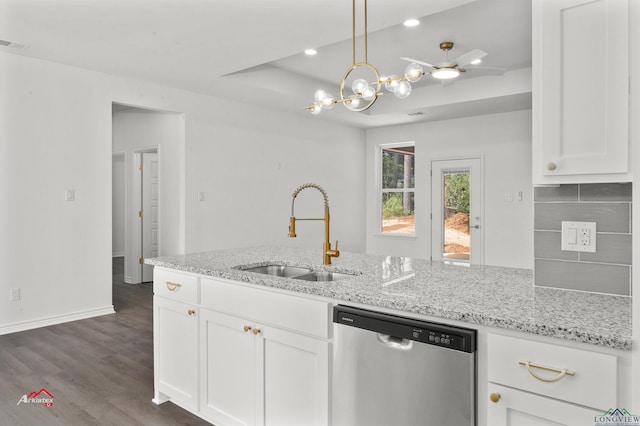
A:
(486, 295)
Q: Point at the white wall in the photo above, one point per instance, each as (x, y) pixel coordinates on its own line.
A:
(504, 142)
(55, 134)
(248, 178)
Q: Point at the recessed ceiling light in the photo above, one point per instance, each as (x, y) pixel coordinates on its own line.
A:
(310, 52)
(476, 62)
(411, 22)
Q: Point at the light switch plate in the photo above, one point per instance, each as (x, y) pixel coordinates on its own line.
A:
(579, 236)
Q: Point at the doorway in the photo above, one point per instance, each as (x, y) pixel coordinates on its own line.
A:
(457, 211)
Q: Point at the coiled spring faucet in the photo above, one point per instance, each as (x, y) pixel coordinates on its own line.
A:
(327, 252)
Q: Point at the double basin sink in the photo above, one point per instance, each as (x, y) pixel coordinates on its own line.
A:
(295, 272)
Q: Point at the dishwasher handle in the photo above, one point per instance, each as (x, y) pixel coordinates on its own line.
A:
(393, 342)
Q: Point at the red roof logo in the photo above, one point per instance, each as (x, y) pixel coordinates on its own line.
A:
(43, 396)
(41, 391)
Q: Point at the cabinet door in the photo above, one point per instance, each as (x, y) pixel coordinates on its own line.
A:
(227, 354)
(293, 376)
(519, 408)
(175, 329)
(580, 89)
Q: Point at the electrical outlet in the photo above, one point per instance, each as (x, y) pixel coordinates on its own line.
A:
(579, 236)
(14, 294)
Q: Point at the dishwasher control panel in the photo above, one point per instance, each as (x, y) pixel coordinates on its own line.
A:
(457, 338)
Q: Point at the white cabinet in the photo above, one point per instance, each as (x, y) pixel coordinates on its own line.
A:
(237, 355)
(533, 383)
(175, 330)
(255, 374)
(518, 408)
(228, 379)
(580, 91)
(258, 369)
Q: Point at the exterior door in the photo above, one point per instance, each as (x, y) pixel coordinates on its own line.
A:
(149, 217)
(456, 210)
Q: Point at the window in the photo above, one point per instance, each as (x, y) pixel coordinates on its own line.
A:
(397, 188)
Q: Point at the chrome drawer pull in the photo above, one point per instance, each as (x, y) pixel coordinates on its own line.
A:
(561, 371)
(173, 286)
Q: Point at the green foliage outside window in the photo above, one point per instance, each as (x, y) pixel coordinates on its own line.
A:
(456, 191)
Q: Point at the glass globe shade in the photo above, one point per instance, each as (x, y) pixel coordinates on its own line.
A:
(353, 101)
(359, 85)
(413, 72)
(319, 95)
(391, 83)
(328, 101)
(368, 93)
(403, 90)
(315, 109)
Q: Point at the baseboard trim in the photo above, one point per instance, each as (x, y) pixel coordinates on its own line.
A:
(56, 319)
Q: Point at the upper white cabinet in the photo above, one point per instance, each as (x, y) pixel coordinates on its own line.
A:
(580, 91)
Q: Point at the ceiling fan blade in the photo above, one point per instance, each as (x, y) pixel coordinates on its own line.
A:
(418, 62)
(477, 71)
(466, 59)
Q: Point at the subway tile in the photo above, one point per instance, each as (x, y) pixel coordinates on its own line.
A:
(547, 246)
(610, 248)
(560, 193)
(593, 277)
(609, 217)
(605, 192)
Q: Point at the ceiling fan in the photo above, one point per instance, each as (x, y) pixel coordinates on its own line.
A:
(451, 69)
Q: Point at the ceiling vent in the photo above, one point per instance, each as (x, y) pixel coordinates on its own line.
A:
(12, 44)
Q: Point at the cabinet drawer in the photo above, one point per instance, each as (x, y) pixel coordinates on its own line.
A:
(292, 312)
(175, 285)
(593, 384)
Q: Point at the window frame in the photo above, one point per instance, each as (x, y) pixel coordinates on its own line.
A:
(380, 190)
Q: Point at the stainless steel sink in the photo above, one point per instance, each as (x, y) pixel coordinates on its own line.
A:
(322, 276)
(278, 270)
(295, 272)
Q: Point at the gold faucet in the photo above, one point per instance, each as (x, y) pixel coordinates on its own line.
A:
(327, 252)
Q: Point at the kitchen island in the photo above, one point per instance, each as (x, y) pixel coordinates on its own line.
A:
(238, 346)
(484, 295)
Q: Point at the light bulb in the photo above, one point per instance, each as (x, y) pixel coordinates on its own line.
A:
(403, 90)
(392, 83)
(445, 73)
(359, 85)
(320, 95)
(353, 101)
(368, 93)
(413, 72)
(328, 101)
(315, 108)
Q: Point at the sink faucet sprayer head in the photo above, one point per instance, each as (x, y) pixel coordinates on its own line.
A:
(292, 220)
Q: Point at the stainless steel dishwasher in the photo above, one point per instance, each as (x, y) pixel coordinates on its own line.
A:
(396, 371)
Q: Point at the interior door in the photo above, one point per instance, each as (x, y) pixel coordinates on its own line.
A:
(149, 218)
(456, 210)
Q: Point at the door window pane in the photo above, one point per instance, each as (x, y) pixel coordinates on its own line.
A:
(457, 240)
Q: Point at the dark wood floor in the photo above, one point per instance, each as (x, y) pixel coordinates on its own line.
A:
(99, 370)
